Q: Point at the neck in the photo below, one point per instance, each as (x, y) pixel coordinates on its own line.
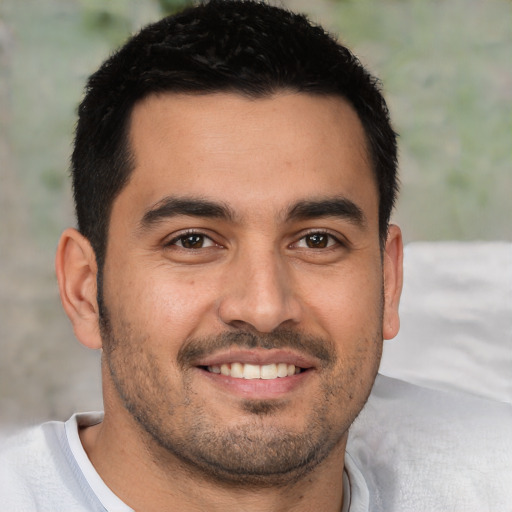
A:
(147, 479)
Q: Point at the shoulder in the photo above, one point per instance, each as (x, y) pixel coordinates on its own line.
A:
(422, 449)
(38, 472)
(27, 465)
(30, 448)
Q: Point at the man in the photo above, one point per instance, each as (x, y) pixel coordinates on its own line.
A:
(234, 172)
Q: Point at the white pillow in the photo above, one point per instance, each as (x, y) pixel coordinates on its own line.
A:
(425, 451)
(456, 317)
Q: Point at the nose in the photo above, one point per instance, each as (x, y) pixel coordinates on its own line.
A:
(258, 293)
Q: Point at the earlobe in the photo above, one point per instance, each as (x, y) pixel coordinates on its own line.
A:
(393, 278)
(76, 268)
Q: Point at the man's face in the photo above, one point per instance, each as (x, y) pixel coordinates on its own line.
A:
(243, 282)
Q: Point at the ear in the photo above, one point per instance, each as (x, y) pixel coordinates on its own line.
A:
(75, 264)
(393, 278)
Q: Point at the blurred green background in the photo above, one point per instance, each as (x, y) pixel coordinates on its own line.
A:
(446, 66)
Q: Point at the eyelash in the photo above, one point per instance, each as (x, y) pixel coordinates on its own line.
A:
(331, 236)
(188, 233)
(191, 232)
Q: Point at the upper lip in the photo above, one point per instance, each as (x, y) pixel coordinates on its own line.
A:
(257, 357)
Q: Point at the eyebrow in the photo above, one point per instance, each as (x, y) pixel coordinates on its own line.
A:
(170, 206)
(339, 207)
(175, 206)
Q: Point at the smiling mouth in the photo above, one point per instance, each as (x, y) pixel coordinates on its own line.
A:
(255, 371)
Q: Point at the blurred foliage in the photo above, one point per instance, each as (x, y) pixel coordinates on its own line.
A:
(107, 19)
(171, 6)
(53, 180)
(114, 20)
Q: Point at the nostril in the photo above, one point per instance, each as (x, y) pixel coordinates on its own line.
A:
(262, 302)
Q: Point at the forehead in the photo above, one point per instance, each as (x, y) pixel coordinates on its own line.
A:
(252, 154)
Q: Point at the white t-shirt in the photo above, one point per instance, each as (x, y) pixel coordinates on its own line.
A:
(45, 468)
(411, 450)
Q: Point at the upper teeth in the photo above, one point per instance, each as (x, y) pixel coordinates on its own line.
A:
(255, 371)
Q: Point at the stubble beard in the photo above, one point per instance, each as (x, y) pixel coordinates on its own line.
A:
(254, 453)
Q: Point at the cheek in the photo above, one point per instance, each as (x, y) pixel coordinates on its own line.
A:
(349, 301)
(166, 306)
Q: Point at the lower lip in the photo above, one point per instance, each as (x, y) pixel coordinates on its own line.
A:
(257, 389)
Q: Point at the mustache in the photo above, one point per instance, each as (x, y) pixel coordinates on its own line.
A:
(317, 347)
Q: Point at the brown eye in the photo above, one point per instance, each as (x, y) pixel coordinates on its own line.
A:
(317, 241)
(193, 241)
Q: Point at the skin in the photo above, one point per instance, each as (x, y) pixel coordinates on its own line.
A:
(248, 232)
